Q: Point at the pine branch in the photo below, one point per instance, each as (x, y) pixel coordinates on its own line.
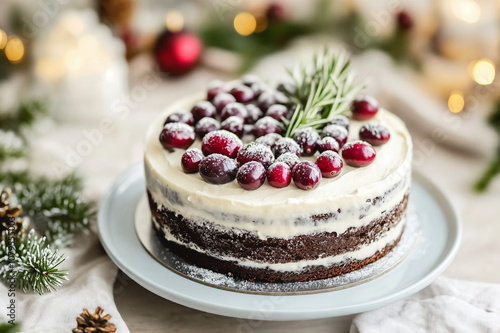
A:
(9, 328)
(36, 264)
(25, 115)
(57, 208)
(323, 88)
(11, 145)
(494, 168)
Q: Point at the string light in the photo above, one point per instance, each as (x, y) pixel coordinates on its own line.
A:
(3, 39)
(456, 102)
(466, 10)
(14, 50)
(245, 23)
(174, 21)
(483, 71)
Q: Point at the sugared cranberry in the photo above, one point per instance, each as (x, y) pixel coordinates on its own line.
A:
(276, 12)
(221, 100)
(337, 132)
(218, 169)
(405, 21)
(269, 140)
(267, 125)
(289, 159)
(234, 125)
(307, 138)
(243, 94)
(269, 97)
(374, 133)
(364, 108)
(203, 109)
(327, 143)
(249, 79)
(177, 135)
(341, 121)
(277, 111)
(205, 126)
(234, 109)
(257, 152)
(258, 88)
(279, 175)
(330, 164)
(306, 175)
(180, 117)
(287, 88)
(251, 175)
(191, 159)
(221, 142)
(254, 113)
(358, 153)
(286, 145)
(213, 92)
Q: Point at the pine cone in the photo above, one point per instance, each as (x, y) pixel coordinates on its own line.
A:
(94, 322)
(9, 216)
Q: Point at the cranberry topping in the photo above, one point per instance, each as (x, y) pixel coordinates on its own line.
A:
(267, 125)
(358, 153)
(364, 108)
(191, 159)
(177, 135)
(257, 152)
(234, 125)
(180, 117)
(286, 145)
(203, 109)
(327, 143)
(330, 164)
(306, 175)
(218, 169)
(251, 175)
(307, 139)
(205, 126)
(279, 175)
(221, 142)
(374, 133)
(337, 132)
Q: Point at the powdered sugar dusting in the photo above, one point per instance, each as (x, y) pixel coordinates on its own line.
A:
(178, 127)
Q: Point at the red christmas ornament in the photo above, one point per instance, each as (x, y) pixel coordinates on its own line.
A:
(177, 52)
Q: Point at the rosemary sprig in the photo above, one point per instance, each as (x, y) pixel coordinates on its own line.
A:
(324, 88)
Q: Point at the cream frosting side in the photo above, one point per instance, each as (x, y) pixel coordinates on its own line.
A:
(272, 212)
(363, 252)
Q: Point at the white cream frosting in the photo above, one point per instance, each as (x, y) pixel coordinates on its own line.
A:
(285, 213)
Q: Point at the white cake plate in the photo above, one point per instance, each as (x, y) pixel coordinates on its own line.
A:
(438, 244)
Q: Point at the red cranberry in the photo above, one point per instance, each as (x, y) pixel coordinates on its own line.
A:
(180, 117)
(258, 88)
(234, 109)
(277, 111)
(205, 126)
(289, 159)
(257, 152)
(306, 175)
(242, 94)
(364, 108)
(268, 98)
(177, 135)
(337, 132)
(286, 145)
(374, 133)
(218, 169)
(287, 88)
(234, 125)
(213, 92)
(269, 140)
(358, 153)
(221, 100)
(341, 121)
(330, 164)
(191, 159)
(267, 125)
(254, 113)
(203, 109)
(221, 142)
(276, 12)
(251, 175)
(307, 138)
(405, 21)
(249, 79)
(279, 175)
(327, 143)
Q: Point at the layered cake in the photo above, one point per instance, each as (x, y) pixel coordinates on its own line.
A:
(258, 200)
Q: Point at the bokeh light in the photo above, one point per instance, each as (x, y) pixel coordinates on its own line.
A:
(456, 102)
(14, 50)
(245, 23)
(466, 10)
(3, 39)
(174, 21)
(261, 23)
(483, 71)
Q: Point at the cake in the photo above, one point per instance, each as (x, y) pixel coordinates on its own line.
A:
(266, 229)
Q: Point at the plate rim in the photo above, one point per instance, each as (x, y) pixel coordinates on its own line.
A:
(131, 174)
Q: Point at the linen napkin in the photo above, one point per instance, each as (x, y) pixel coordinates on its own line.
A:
(447, 305)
